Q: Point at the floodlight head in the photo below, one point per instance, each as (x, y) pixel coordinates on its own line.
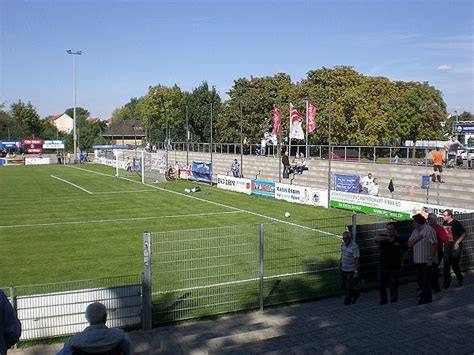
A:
(69, 51)
(79, 52)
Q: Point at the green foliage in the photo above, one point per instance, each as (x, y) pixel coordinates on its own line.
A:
(162, 109)
(131, 111)
(27, 118)
(199, 114)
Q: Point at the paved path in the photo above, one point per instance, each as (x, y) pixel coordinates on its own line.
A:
(445, 326)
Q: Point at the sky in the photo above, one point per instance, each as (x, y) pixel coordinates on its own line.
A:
(129, 45)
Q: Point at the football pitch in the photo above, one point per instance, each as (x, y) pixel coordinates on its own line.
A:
(66, 223)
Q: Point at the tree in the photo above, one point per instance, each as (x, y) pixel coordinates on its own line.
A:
(27, 117)
(130, 111)
(162, 109)
(199, 112)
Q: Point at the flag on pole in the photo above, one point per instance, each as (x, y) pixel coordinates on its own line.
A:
(391, 188)
(311, 124)
(276, 120)
(296, 131)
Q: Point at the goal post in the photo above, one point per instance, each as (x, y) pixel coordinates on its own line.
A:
(149, 168)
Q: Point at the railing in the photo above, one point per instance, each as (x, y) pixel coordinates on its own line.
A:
(369, 154)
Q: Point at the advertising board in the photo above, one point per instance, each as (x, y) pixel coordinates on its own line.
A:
(33, 146)
(301, 194)
(263, 188)
(234, 184)
(53, 145)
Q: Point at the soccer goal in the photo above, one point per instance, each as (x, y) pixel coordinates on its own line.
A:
(150, 168)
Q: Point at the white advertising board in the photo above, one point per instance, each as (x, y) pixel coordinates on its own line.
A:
(37, 161)
(301, 194)
(53, 145)
(234, 184)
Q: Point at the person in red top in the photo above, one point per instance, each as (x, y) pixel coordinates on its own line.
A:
(437, 165)
(442, 238)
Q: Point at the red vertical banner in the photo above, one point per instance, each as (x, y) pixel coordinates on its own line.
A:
(311, 117)
(276, 120)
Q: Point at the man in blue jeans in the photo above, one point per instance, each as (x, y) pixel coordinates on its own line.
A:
(456, 235)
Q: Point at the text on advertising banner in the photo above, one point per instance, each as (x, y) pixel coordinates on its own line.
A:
(263, 188)
(301, 194)
(234, 184)
(201, 171)
(347, 183)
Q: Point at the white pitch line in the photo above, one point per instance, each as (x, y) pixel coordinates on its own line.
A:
(215, 203)
(122, 192)
(70, 183)
(115, 220)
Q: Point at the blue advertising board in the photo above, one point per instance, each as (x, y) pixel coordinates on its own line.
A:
(201, 171)
(465, 128)
(347, 183)
(263, 188)
(10, 144)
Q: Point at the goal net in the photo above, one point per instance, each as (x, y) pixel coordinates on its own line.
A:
(148, 167)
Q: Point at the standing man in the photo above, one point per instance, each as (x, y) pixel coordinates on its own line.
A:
(263, 147)
(456, 235)
(392, 249)
(349, 264)
(285, 160)
(425, 250)
(437, 166)
(452, 147)
(442, 238)
(235, 167)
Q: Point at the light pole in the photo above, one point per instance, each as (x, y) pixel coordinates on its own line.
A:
(74, 54)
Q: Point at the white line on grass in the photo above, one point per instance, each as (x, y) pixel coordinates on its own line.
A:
(116, 220)
(121, 192)
(215, 203)
(70, 183)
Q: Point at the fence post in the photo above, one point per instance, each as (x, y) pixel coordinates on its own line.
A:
(146, 283)
(354, 226)
(261, 265)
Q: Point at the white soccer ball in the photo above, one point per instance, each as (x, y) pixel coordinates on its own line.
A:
(187, 190)
(287, 214)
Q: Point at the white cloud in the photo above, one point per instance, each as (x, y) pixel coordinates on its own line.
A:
(444, 67)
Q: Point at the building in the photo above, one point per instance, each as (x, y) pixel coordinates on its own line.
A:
(62, 122)
(125, 132)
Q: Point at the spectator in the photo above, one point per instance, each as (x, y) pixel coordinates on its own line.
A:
(425, 247)
(396, 158)
(456, 235)
(301, 164)
(349, 265)
(392, 249)
(285, 160)
(97, 338)
(263, 147)
(437, 166)
(365, 182)
(10, 326)
(235, 167)
(452, 147)
(442, 238)
(373, 188)
(68, 157)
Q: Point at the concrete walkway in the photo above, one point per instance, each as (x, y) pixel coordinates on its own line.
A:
(445, 326)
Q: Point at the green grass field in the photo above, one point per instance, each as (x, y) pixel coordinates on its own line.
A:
(65, 223)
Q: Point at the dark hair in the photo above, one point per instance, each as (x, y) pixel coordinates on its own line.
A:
(449, 212)
(418, 218)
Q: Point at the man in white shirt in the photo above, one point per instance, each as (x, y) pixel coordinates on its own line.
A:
(365, 182)
(263, 146)
(349, 264)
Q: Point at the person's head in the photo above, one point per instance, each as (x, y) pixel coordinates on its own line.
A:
(437, 149)
(390, 229)
(369, 175)
(286, 153)
(346, 237)
(432, 219)
(96, 313)
(375, 181)
(302, 155)
(418, 220)
(448, 215)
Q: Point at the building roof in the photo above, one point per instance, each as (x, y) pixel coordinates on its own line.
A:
(126, 128)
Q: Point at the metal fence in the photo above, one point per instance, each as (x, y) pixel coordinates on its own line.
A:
(57, 309)
(203, 272)
(370, 154)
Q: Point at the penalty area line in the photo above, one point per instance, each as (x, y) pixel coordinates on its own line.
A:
(217, 204)
(70, 183)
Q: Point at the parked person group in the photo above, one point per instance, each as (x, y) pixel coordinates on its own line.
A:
(431, 243)
(366, 184)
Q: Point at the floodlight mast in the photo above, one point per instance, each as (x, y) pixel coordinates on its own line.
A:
(74, 54)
